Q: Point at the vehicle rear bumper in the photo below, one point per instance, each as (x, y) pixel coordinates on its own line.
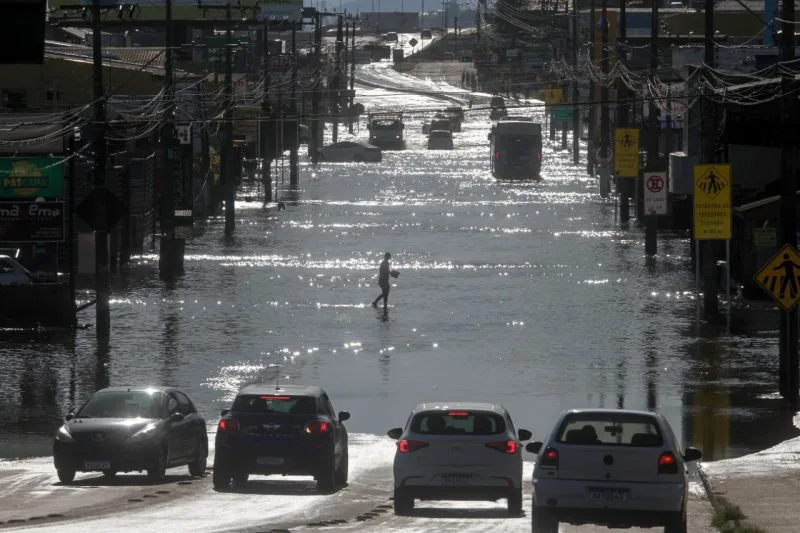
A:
(472, 493)
(302, 462)
(570, 496)
(610, 517)
(82, 458)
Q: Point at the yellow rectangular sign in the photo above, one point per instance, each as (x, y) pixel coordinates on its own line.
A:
(626, 152)
(712, 202)
(553, 96)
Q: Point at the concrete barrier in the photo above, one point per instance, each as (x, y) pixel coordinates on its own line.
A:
(45, 304)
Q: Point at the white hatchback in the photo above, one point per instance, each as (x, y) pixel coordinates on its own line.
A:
(458, 451)
(614, 467)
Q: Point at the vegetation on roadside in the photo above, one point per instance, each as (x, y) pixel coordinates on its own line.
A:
(728, 518)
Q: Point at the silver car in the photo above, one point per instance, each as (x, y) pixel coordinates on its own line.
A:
(458, 451)
(13, 273)
(350, 151)
(618, 468)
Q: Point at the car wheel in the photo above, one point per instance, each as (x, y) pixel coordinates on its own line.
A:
(109, 474)
(197, 468)
(221, 478)
(543, 522)
(66, 476)
(326, 479)
(403, 501)
(342, 471)
(676, 523)
(515, 502)
(158, 470)
(240, 479)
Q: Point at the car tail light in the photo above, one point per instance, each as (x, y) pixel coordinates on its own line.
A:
(550, 458)
(539, 156)
(228, 425)
(458, 414)
(506, 446)
(497, 155)
(317, 427)
(408, 446)
(667, 464)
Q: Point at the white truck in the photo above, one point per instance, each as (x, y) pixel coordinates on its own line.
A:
(386, 130)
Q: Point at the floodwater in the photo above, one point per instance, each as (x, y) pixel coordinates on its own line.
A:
(526, 294)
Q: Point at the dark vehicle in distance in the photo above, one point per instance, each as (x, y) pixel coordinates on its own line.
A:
(440, 140)
(497, 108)
(425, 34)
(456, 116)
(288, 430)
(125, 429)
(516, 148)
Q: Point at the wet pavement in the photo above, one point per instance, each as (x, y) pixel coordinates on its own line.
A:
(526, 294)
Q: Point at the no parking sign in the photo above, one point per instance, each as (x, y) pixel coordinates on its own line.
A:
(655, 193)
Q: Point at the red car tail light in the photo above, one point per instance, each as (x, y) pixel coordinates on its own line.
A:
(550, 458)
(458, 414)
(228, 425)
(667, 464)
(497, 155)
(408, 446)
(317, 427)
(506, 446)
(539, 156)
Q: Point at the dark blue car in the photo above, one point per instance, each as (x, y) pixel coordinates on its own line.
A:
(288, 430)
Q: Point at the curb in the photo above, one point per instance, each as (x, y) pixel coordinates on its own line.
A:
(709, 490)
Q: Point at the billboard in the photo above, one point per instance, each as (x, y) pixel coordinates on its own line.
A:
(31, 177)
(27, 221)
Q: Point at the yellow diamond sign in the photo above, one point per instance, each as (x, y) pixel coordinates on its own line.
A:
(780, 277)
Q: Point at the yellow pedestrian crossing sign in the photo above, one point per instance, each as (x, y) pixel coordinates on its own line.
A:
(780, 277)
(712, 202)
(553, 96)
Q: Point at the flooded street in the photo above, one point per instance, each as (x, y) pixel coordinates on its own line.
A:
(526, 294)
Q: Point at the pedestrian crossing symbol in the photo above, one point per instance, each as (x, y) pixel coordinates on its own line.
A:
(780, 277)
(712, 182)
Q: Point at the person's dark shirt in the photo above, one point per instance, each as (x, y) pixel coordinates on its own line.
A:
(383, 276)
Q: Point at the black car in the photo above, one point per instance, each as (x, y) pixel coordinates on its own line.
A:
(125, 429)
(289, 430)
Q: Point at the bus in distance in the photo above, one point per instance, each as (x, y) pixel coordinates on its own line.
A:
(516, 149)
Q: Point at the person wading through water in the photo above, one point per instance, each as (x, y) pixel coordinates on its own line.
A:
(383, 282)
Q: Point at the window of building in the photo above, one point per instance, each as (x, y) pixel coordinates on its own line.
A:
(15, 98)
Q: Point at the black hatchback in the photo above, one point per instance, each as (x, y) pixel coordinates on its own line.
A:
(288, 430)
(124, 429)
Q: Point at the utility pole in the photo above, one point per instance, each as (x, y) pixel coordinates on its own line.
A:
(590, 139)
(102, 281)
(313, 142)
(339, 49)
(170, 259)
(708, 257)
(576, 118)
(226, 157)
(352, 77)
(623, 184)
(788, 330)
(651, 221)
(265, 136)
(294, 163)
(605, 122)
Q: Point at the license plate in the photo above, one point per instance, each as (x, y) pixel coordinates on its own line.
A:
(456, 480)
(270, 461)
(97, 465)
(600, 494)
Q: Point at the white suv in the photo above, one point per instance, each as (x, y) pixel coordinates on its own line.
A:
(613, 467)
(458, 451)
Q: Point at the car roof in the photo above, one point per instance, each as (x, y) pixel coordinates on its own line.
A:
(138, 388)
(293, 390)
(611, 411)
(467, 406)
(443, 133)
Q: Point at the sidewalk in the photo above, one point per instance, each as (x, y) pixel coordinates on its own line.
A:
(765, 487)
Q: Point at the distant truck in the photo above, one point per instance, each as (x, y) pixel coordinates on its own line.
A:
(386, 130)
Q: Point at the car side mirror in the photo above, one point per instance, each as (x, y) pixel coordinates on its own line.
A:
(692, 454)
(224, 412)
(176, 417)
(395, 433)
(533, 447)
(344, 415)
(524, 434)
(69, 416)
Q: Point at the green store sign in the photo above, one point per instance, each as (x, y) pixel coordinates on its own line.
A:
(31, 177)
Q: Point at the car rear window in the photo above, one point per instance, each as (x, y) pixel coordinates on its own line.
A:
(458, 423)
(440, 135)
(610, 429)
(278, 404)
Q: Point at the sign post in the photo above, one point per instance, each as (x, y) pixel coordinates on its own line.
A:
(712, 214)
